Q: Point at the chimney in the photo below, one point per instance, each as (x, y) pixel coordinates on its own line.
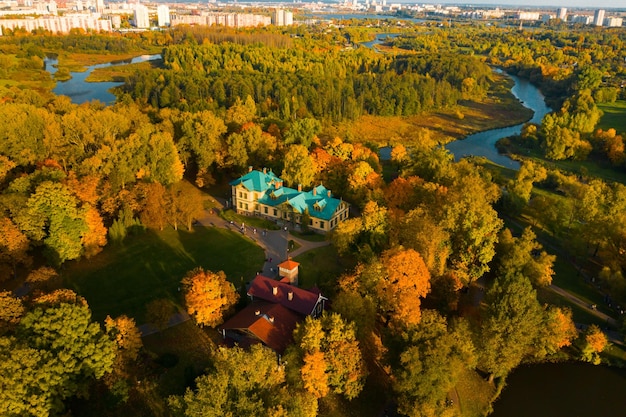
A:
(290, 295)
(275, 290)
(328, 193)
(258, 312)
(250, 168)
(314, 191)
(271, 319)
(299, 188)
(265, 170)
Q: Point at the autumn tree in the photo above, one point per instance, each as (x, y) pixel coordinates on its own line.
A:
(154, 208)
(208, 296)
(41, 277)
(558, 331)
(327, 357)
(243, 383)
(11, 311)
(184, 204)
(124, 332)
(594, 343)
(14, 247)
(399, 291)
(430, 365)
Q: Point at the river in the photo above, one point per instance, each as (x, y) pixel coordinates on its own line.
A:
(81, 91)
(483, 143)
(563, 390)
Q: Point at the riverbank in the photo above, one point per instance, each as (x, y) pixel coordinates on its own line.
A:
(499, 109)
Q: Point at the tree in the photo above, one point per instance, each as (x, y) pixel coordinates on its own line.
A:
(56, 353)
(11, 311)
(511, 325)
(53, 217)
(558, 331)
(523, 255)
(14, 246)
(243, 383)
(208, 296)
(184, 204)
(95, 237)
(406, 281)
(327, 357)
(302, 132)
(299, 166)
(430, 365)
(42, 276)
(595, 342)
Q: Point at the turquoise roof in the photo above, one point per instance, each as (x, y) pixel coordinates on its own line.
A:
(319, 202)
(257, 180)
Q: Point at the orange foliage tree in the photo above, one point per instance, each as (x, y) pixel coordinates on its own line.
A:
(208, 295)
(406, 281)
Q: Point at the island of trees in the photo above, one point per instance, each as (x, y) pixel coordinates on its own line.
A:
(441, 282)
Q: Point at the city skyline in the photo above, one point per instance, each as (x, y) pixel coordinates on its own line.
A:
(601, 4)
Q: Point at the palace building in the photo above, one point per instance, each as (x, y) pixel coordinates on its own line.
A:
(263, 194)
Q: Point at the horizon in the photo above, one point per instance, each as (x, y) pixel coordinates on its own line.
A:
(575, 4)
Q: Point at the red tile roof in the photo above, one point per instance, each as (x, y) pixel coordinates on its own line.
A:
(302, 301)
(273, 325)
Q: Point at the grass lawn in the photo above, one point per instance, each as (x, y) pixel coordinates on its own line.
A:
(475, 394)
(322, 267)
(310, 236)
(249, 221)
(614, 116)
(125, 277)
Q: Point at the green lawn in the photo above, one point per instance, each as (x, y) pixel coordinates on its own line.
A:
(125, 277)
(614, 116)
(322, 267)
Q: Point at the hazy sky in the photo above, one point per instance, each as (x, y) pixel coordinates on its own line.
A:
(587, 4)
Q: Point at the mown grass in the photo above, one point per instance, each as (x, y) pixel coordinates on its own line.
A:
(322, 267)
(125, 277)
(475, 394)
(249, 221)
(614, 116)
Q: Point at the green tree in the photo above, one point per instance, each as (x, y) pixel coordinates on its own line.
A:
(299, 166)
(56, 353)
(511, 325)
(524, 255)
(429, 367)
(243, 383)
(302, 132)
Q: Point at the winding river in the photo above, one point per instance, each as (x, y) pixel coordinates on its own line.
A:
(483, 143)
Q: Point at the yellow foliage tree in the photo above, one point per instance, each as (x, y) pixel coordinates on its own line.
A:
(314, 374)
(208, 295)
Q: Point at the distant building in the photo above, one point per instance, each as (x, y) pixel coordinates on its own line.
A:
(263, 194)
(282, 17)
(613, 22)
(527, 16)
(561, 13)
(585, 20)
(141, 17)
(163, 15)
(598, 17)
(58, 24)
(222, 19)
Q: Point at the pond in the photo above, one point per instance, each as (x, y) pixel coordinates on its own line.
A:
(563, 390)
(81, 91)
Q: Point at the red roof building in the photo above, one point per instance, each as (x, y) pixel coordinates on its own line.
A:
(276, 309)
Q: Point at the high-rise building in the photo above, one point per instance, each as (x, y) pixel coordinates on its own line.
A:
(598, 17)
(141, 16)
(163, 15)
(278, 17)
(100, 6)
(561, 13)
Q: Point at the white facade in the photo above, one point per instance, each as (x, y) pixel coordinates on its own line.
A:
(141, 17)
(163, 15)
(62, 24)
(598, 17)
(282, 17)
(562, 13)
(527, 16)
(222, 19)
(613, 22)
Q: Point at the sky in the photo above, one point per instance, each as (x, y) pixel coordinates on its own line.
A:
(587, 4)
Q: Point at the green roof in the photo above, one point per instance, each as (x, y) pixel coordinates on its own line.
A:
(257, 180)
